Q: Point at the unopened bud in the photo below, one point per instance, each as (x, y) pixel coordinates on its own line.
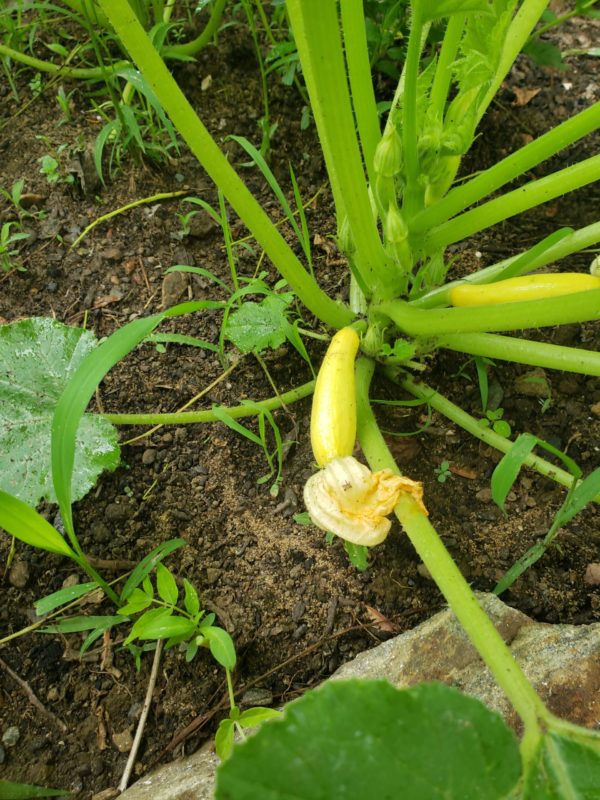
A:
(387, 160)
(395, 227)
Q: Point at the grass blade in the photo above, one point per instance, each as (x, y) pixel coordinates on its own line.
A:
(74, 401)
(26, 524)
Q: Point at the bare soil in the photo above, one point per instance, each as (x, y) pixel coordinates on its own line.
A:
(295, 606)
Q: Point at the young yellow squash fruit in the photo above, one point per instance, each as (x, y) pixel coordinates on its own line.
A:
(526, 287)
(333, 418)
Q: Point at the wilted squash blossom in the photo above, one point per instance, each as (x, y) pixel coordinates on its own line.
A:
(349, 500)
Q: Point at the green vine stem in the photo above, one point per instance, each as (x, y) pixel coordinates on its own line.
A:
(206, 150)
(194, 46)
(317, 35)
(189, 417)
(508, 205)
(74, 73)
(413, 195)
(561, 310)
(177, 51)
(456, 414)
(573, 243)
(511, 167)
(523, 351)
(462, 601)
(361, 84)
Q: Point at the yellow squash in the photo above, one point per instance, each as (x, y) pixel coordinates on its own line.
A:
(333, 418)
(526, 287)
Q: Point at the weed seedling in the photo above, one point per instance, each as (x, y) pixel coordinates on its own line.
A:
(443, 472)
(8, 239)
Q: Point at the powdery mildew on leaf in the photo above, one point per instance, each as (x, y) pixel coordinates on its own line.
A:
(37, 358)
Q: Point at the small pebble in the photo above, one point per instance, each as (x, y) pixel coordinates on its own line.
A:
(19, 574)
(118, 512)
(533, 384)
(148, 457)
(592, 574)
(123, 741)
(173, 286)
(298, 611)
(11, 736)
(70, 580)
(52, 694)
(484, 495)
(212, 575)
(112, 253)
(134, 711)
(257, 697)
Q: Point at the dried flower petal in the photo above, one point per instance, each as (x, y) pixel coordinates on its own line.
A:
(349, 500)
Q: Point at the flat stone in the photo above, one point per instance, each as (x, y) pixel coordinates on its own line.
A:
(192, 777)
(562, 662)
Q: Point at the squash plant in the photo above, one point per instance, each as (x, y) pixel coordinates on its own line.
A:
(397, 211)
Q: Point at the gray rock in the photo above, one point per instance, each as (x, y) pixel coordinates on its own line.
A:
(181, 780)
(562, 662)
(11, 736)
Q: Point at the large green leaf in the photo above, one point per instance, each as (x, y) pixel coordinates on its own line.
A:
(565, 769)
(37, 357)
(360, 740)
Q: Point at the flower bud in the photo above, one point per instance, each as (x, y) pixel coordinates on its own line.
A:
(387, 160)
(395, 228)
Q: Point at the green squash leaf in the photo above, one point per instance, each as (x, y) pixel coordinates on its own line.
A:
(566, 768)
(359, 740)
(258, 326)
(37, 358)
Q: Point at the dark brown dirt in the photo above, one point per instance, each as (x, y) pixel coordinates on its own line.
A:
(294, 605)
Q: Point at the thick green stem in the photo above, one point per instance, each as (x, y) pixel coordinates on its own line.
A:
(361, 84)
(453, 412)
(509, 168)
(215, 163)
(523, 351)
(431, 550)
(525, 197)
(443, 69)
(412, 198)
(550, 311)
(317, 35)
(573, 243)
(192, 417)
